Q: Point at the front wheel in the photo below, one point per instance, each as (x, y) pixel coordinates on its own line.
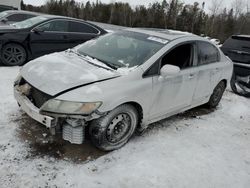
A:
(13, 55)
(115, 129)
(216, 95)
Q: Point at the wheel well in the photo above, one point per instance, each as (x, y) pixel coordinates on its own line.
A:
(11, 42)
(225, 82)
(139, 110)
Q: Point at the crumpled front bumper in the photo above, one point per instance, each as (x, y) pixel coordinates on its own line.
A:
(28, 107)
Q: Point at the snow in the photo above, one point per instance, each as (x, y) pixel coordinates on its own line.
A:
(196, 149)
(125, 70)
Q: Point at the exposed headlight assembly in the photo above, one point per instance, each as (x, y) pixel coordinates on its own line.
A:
(71, 108)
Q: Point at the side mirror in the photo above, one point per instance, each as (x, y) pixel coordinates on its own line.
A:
(169, 70)
(37, 30)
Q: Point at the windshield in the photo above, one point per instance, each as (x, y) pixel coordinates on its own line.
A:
(29, 22)
(3, 14)
(122, 49)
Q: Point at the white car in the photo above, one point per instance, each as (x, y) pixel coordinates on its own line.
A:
(122, 82)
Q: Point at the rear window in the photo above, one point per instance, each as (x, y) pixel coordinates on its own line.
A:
(238, 43)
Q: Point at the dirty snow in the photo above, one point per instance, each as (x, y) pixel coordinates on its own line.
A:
(199, 148)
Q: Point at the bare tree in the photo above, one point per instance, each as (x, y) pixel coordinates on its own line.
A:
(216, 6)
(238, 6)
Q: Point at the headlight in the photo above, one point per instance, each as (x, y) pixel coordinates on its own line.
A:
(68, 107)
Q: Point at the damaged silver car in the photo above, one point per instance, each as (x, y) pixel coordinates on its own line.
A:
(120, 83)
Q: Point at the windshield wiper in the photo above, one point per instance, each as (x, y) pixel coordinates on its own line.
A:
(87, 58)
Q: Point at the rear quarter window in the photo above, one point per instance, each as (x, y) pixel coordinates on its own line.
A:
(16, 17)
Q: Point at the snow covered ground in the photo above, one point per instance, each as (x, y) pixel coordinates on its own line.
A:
(199, 148)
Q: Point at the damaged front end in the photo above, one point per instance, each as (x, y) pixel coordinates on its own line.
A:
(69, 118)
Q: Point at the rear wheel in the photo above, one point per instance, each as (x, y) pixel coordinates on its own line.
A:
(217, 95)
(13, 55)
(241, 85)
(115, 129)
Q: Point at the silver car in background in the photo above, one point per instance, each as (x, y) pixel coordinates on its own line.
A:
(121, 82)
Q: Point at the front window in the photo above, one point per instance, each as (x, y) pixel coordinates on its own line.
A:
(29, 22)
(57, 26)
(122, 49)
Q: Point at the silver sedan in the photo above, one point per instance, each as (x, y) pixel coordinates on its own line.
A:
(121, 82)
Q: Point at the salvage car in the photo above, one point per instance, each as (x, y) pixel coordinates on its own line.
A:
(237, 48)
(13, 16)
(120, 83)
(34, 37)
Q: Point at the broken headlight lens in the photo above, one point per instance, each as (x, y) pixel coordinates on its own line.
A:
(68, 107)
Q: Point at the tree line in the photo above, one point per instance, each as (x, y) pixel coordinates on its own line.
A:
(173, 14)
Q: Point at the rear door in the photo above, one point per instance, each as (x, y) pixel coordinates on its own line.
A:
(53, 36)
(81, 32)
(210, 70)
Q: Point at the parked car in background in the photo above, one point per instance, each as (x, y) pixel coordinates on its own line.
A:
(121, 82)
(5, 7)
(37, 36)
(13, 16)
(11, 4)
(237, 48)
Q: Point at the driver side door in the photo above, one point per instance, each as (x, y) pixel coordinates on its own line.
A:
(51, 37)
(174, 93)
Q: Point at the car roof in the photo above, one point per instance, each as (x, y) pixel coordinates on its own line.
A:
(22, 11)
(50, 16)
(162, 33)
(243, 36)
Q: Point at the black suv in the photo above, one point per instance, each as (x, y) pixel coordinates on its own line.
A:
(237, 48)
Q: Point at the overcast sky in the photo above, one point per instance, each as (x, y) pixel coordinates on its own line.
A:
(226, 3)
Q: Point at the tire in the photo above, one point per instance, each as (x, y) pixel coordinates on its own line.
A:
(233, 84)
(216, 95)
(13, 55)
(114, 130)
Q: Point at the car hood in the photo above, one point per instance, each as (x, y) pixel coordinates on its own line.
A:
(60, 72)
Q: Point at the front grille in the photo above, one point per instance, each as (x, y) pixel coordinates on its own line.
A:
(37, 97)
